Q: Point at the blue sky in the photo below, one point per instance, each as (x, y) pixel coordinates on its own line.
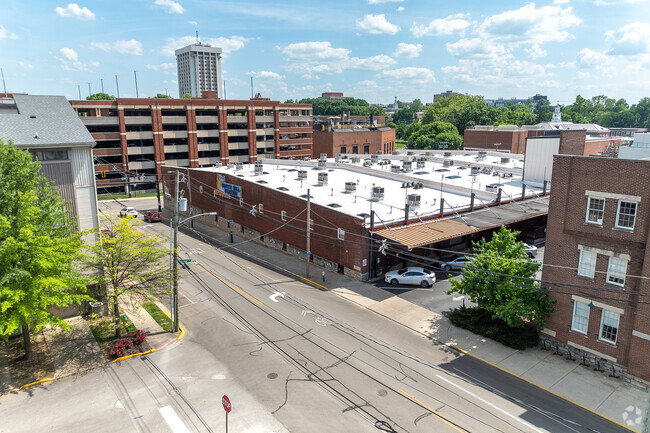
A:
(371, 49)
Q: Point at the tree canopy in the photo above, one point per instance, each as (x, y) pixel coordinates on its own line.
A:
(162, 96)
(39, 249)
(325, 107)
(100, 97)
(132, 264)
(500, 279)
(436, 135)
(187, 96)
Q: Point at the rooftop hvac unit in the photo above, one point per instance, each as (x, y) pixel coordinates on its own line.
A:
(447, 162)
(323, 156)
(374, 159)
(380, 152)
(482, 153)
(505, 160)
(475, 171)
(486, 170)
(350, 186)
(492, 188)
(410, 152)
(337, 157)
(259, 167)
(239, 166)
(377, 192)
(507, 174)
(495, 173)
(322, 178)
(447, 154)
(231, 165)
(395, 168)
(420, 163)
(322, 164)
(302, 174)
(407, 166)
(355, 159)
(414, 200)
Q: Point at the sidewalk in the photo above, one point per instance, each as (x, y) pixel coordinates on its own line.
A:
(157, 337)
(611, 397)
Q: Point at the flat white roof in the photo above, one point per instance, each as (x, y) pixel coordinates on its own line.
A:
(453, 183)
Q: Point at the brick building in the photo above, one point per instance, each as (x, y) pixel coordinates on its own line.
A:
(354, 141)
(503, 138)
(596, 262)
(135, 136)
(332, 96)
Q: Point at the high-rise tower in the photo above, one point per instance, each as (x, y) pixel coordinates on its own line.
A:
(199, 69)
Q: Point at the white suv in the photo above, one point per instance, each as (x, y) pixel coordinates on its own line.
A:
(129, 212)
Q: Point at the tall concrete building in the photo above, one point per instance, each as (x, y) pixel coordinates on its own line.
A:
(199, 70)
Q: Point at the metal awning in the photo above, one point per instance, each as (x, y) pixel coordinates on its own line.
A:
(425, 233)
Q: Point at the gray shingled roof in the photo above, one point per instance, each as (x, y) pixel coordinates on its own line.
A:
(51, 117)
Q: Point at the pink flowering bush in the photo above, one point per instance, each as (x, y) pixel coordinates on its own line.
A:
(139, 336)
(121, 347)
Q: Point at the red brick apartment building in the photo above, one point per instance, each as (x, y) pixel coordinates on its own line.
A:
(135, 136)
(596, 262)
(363, 141)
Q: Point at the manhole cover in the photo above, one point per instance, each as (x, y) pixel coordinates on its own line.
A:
(382, 393)
(272, 375)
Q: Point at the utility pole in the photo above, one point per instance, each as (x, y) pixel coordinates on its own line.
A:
(3, 82)
(308, 233)
(135, 74)
(89, 91)
(102, 81)
(117, 84)
(79, 90)
(175, 263)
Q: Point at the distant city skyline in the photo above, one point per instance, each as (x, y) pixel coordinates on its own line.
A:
(371, 49)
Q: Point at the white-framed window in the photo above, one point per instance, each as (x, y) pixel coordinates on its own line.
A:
(241, 201)
(311, 225)
(261, 207)
(626, 215)
(340, 233)
(587, 264)
(616, 270)
(201, 189)
(283, 215)
(609, 326)
(595, 210)
(580, 321)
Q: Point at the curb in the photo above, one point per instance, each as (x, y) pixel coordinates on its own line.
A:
(38, 382)
(134, 355)
(313, 282)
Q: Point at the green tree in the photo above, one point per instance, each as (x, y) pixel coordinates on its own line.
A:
(403, 115)
(433, 135)
(132, 264)
(162, 96)
(462, 111)
(187, 96)
(416, 105)
(100, 97)
(543, 111)
(500, 279)
(39, 249)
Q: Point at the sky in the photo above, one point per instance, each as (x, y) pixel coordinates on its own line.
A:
(371, 49)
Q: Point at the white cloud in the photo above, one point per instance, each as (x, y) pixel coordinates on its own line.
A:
(376, 2)
(631, 39)
(4, 33)
(616, 2)
(193, 23)
(535, 51)
(377, 24)
(123, 47)
(441, 27)
(70, 61)
(477, 48)
(595, 60)
(73, 10)
(400, 9)
(266, 74)
(69, 54)
(409, 51)
(25, 65)
(412, 74)
(162, 67)
(309, 58)
(227, 45)
(531, 25)
(560, 2)
(170, 6)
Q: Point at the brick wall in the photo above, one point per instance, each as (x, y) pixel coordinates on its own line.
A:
(331, 142)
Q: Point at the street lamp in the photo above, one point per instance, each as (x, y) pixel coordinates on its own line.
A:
(175, 224)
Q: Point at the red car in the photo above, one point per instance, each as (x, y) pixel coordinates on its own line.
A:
(152, 217)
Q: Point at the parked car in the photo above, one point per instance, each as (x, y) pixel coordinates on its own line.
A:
(152, 216)
(129, 212)
(456, 264)
(531, 250)
(422, 276)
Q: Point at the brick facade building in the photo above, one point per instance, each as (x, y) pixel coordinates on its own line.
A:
(136, 136)
(506, 138)
(596, 261)
(363, 141)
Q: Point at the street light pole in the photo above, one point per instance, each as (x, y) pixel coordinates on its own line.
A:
(308, 232)
(175, 261)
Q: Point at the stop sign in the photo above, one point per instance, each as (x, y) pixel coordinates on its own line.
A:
(226, 403)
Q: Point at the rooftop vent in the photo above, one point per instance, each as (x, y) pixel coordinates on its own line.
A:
(334, 205)
(374, 159)
(259, 167)
(337, 157)
(322, 178)
(414, 200)
(355, 159)
(302, 174)
(282, 188)
(323, 157)
(322, 164)
(231, 165)
(377, 193)
(407, 166)
(505, 160)
(395, 168)
(262, 182)
(239, 166)
(492, 188)
(420, 163)
(350, 186)
(447, 162)
(475, 171)
(447, 154)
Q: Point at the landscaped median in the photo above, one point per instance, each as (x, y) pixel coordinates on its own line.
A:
(132, 343)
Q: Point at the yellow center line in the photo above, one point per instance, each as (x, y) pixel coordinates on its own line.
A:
(233, 287)
(413, 399)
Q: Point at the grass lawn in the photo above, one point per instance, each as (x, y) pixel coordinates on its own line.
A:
(125, 196)
(104, 332)
(159, 316)
(400, 144)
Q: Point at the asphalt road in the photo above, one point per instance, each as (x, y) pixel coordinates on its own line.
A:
(296, 358)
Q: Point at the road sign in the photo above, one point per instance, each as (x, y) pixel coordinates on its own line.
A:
(226, 403)
(186, 260)
(124, 178)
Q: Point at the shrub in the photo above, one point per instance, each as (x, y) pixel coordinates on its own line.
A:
(121, 347)
(480, 321)
(138, 337)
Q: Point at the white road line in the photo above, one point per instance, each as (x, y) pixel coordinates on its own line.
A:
(173, 420)
(490, 404)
